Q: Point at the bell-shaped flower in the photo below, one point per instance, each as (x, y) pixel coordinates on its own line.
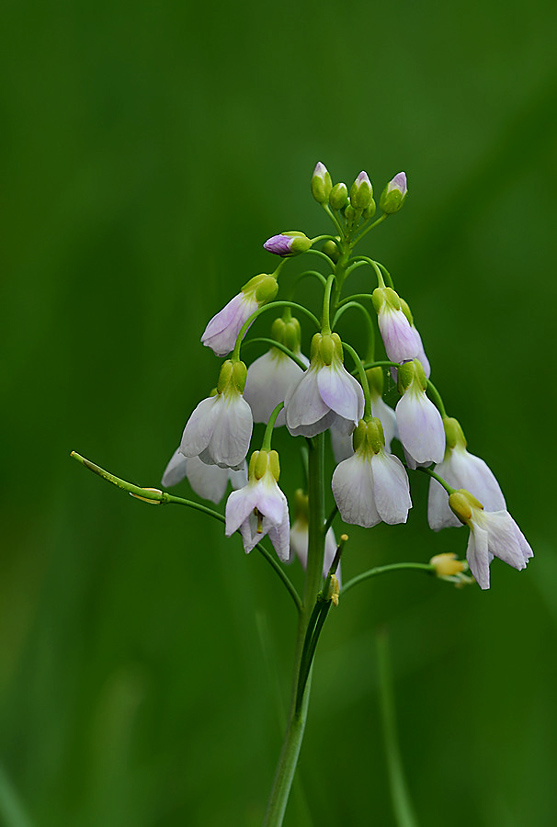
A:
(208, 481)
(273, 374)
(326, 394)
(399, 336)
(219, 430)
(394, 194)
(461, 469)
(299, 537)
(371, 486)
(288, 244)
(223, 329)
(492, 534)
(419, 423)
(260, 507)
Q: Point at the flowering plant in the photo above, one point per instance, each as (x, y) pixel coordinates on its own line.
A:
(374, 446)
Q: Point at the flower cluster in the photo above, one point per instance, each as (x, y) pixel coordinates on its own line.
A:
(370, 483)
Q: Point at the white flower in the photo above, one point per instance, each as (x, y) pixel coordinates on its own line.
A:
(420, 425)
(219, 430)
(208, 481)
(326, 394)
(492, 534)
(400, 338)
(299, 538)
(387, 417)
(371, 486)
(269, 379)
(223, 329)
(260, 507)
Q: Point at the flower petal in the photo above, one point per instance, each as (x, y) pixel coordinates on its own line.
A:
(304, 406)
(354, 492)
(268, 381)
(209, 481)
(199, 427)
(231, 436)
(340, 391)
(391, 488)
(239, 506)
(221, 332)
(387, 416)
(420, 426)
(175, 471)
(399, 338)
(478, 557)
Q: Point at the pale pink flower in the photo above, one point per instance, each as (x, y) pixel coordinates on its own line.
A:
(419, 423)
(208, 481)
(269, 379)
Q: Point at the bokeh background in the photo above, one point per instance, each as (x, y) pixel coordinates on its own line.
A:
(147, 151)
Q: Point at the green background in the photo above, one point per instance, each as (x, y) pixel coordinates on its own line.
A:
(147, 151)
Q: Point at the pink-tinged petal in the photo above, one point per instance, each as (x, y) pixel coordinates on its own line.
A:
(317, 427)
(391, 487)
(239, 506)
(199, 427)
(341, 392)
(279, 536)
(270, 499)
(342, 444)
(354, 492)
(208, 481)
(523, 543)
(387, 416)
(175, 471)
(421, 355)
(304, 406)
(232, 432)
(420, 427)
(502, 538)
(221, 332)
(268, 381)
(478, 557)
(399, 337)
(250, 535)
(473, 474)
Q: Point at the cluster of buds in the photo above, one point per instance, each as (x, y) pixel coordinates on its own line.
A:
(370, 483)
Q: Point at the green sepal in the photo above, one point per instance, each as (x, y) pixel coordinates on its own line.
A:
(391, 201)
(330, 249)
(453, 433)
(369, 211)
(376, 381)
(321, 187)
(338, 197)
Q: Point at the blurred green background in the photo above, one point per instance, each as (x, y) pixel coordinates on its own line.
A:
(147, 151)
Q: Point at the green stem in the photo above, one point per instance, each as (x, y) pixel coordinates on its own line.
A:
(359, 237)
(325, 316)
(335, 220)
(266, 445)
(366, 575)
(369, 324)
(314, 274)
(288, 759)
(156, 497)
(436, 396)
(439, 479)
(313, 252)
(271, 306)
(363, 378)
(330, 519)
(402, 804)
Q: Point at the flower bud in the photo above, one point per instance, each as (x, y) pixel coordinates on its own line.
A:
(361, 192)
(339, 196)
(330, 249)
(447, 565)
(290, 243)
(462, 502)
(321, 184)
(349, 213)
(369, 211)
(394, 194)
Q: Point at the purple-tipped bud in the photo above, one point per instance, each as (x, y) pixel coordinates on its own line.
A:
(361, 192)
(321, 184)
(394, 194)
(287, 244)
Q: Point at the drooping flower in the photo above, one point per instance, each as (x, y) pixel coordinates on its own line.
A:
(419, 423)
(223, 329)
(371, 486)
(271, 376)
(394, 194)
(219, 430)
(399, 337)
(326, 394)
(290, 243)
(492, 534)
(461, 470)
(299, 537)
(260, 507)
(208, 481)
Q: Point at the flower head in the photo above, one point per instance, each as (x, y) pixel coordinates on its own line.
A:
(271, 376)
(260, 507)
(288, 244)
(420, 426)
(223, 329)
(461, 469)
(492, 534)
(219, 430)
(208, 481)
(399, 336)
(372, 485)
(326, 394)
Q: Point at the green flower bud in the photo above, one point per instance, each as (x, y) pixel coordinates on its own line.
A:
(338, 198)
(394, 194)
(330, 249)
(369, 211)
(361, 192)
(239, 374)
(290, 243)
(321, 184)
(376, 379)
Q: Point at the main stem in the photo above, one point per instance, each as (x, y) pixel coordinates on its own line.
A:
(288, 760)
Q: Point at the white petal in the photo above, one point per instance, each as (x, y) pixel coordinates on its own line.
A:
(398, 336)
(473, 474)
(420, 426)
(387, 416)
(304, 407)
(439, 515)
(478, 557)
(421, 355)
(268, 381)
(299, 541)
(199, 427)
(341, 392)
(279, 536)
(209, 481)
(239, 506)
(221, 332)
(175, 471)
(238, 476)
(391, 487)
(502, 538)
(342, 444)
(330, 551)
(270, 499)
(353, 491)
(231, 436)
